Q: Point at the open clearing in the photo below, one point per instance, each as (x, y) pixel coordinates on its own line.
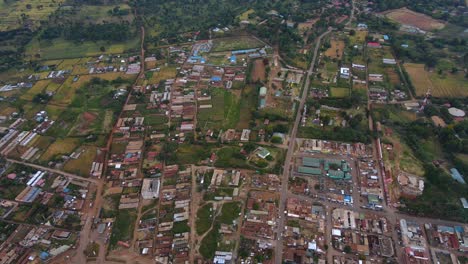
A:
(445, 85)
(235, 43)
(336, 49)
(408, 17)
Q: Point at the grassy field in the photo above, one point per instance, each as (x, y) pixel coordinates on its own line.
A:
(99, 13)
(229, 212)
(225, 112)
(209, 243)
(248, 105)
(82, 165)
(204, 218)
(67, 91)
(62, 49)
(60, 147)
(122, 229)
(229, 157)
(235, 43)
(164, 74)
(192, 154)
(339, 92)
(445, 85)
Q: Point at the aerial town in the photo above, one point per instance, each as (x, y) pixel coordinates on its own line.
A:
(315, 132)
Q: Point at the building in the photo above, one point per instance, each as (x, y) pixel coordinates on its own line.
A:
(263, 152)
(150, 189)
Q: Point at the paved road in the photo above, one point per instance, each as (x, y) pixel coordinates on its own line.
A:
(292, 143)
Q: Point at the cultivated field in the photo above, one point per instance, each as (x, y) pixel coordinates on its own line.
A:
(445, 85)
(408, 17)
(336, 49)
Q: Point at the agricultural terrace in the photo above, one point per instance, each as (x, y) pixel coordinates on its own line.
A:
(34, 11)
(441, 85)
(407, 17)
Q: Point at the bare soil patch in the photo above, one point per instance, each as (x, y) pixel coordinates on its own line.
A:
(258, 71)
(408, 17)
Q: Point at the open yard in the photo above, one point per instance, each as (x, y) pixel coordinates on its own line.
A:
(235, 43)
(445, 85)
(408, 17)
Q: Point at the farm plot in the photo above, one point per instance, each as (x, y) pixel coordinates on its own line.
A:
(235, 43)
(445, 85)
(407, 17)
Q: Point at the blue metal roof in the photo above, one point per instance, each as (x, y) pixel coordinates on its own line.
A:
(457, 176)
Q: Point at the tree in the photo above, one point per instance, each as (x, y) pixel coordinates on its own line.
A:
(347, 249)
(102, 49)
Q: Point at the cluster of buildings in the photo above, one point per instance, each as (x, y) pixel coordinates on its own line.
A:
(414, 242)
(303, 237)
(364, 234)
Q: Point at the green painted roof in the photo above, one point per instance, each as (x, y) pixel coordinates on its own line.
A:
(308, 170)
(311, 162)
